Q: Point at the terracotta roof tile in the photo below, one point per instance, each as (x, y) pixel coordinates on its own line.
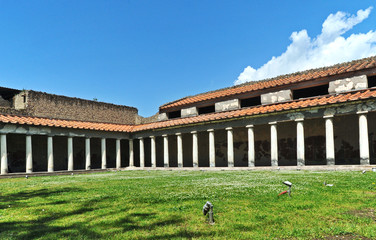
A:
(278, 81)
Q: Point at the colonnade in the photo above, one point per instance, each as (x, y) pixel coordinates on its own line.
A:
(50, 154)
(300, 147)
(300, 144)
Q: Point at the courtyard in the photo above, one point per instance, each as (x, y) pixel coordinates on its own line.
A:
(168, 205)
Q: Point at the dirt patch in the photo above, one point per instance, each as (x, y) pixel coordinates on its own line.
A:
(364, 213)
(347, 237)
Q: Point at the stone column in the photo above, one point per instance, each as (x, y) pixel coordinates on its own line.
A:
(300, 151)
(70, 154)
(118, 154)
(142, 153)
(153, 152)
(87, 154)
(165, 150)
(211, 148)
(4, 154)
(251, 146)
(180, 149)
(194, 149)
(104, 153)
(273, 144)
(50, 154)
(29, 155)
(131, 153)
(363, 138)
(329, 136)
(230, 147)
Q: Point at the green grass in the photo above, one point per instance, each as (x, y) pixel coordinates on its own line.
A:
(168, 205)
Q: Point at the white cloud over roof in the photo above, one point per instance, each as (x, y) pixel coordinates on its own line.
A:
(328, 48)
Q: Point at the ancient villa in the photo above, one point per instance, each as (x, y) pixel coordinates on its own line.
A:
(323, 116)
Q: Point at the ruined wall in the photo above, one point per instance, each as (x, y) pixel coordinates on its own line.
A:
(315, 141)
(144, 120)
(53, 106)
(262, 145)
(346, 140)
(240, 147)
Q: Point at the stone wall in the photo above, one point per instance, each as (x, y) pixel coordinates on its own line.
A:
(53, 106)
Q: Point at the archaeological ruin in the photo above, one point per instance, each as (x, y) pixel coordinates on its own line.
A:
(319, 117)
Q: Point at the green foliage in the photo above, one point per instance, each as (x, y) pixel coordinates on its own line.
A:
(168, 205)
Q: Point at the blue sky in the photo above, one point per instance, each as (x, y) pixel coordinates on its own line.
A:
(147, 53)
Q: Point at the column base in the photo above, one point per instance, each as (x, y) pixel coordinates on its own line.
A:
(330, 162)
(364, 161)
(301, 162)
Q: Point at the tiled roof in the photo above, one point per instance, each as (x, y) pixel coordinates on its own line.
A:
(262, 109)
(37, 121)
(356, 65)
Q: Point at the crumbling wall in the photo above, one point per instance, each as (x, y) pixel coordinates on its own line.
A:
(53, 106)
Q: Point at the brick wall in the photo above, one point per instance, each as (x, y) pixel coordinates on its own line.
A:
(54, 106)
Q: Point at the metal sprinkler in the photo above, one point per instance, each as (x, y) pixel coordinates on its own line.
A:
(208, 208)
(289, 184)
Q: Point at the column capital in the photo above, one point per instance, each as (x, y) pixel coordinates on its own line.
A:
(194, 132)
(273, 123)
(249, 126)
(362, 112)
(141, 138)
(164, 135)
(152, 137)
(299, 120)
(178, 134)
(328, 116)
(210, 130)
(228, 128)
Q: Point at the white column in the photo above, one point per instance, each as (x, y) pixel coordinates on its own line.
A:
(142, 153)
(329, 136)
(180, 149)
(70, 154)
(29, 155)
(104, 153)
(165, 150)
(131, 153)
(300, 151)
(50, 154)
(230, 147)
(251, 146)
(4, 154)
(118, 154)
(87, 154)
(363, 138)
(274, 143)
(194, 149)
(211, 148)
(153, 152)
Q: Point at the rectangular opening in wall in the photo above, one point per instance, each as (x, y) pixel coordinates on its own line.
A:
(208, 109)
(311, 91)
(371, 81)
(175, 114)
(248, 102)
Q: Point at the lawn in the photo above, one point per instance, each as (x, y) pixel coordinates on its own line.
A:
(168, 205)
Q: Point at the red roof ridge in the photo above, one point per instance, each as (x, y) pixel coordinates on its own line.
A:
(226, 91)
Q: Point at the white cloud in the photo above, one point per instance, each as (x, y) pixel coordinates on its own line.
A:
(328, 48)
